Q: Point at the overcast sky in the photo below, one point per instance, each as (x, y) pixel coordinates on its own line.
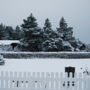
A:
(76, 13)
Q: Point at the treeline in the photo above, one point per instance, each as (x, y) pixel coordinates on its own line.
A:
(33, 38)
(9, 33)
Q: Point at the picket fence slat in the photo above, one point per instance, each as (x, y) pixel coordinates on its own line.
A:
(43, 81)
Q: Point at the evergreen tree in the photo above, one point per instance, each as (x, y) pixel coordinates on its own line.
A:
(30, 22)
(64, 31)
(47, 26)
(52, 45)
(2, 31)
(63, 24)
(6, 32)
(50, 37)
(10, 32)
(17, 33)
(32, 34)
(48, 31)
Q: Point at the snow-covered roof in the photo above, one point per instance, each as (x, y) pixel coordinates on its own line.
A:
(8, 42)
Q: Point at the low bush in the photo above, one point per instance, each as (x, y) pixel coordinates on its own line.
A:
(67, 55)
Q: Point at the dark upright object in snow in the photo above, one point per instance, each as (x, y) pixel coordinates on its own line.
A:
(70, 70)
(14, 45)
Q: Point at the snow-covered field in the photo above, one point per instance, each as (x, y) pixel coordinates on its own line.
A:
(44, 65)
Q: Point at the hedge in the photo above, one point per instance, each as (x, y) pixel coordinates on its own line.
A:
(67, 55)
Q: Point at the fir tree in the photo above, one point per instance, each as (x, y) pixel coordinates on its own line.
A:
(10, 32)
(50, 37)
(47, 25)
(30, 22)
(48, 31)
(32, 34)
(64, 31)
(2, 31)
(63, 25)
(17, 33)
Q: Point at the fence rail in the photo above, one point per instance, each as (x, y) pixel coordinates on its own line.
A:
(43, 81)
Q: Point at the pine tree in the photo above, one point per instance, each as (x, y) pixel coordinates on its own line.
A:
(47, 25)
(17, 33)
(2, 31)
(9, 32)
(30, 22)
(48, 31)
(64, 31)
(29, 26)
(32, 34)
(50, 37)
(63, 24)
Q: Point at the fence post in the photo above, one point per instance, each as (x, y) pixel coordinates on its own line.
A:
(38, 80)
(24, 81)
(84, 82)
(76, 80)
(43, 83)
(6, 80)
(87, 82)
(80, 81)
(65, 81)
(15, 80)
(52, 80)
(71, 81)
(47, 80)
(20, 80)
(11, 79)
(57, 80)
(2, 79)
(61, 81)
(29, 80)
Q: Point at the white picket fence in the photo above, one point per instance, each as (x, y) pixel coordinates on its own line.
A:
(43, 81)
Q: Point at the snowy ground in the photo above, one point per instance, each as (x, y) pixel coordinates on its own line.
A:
(8, 42)
(44, 65)
(5, 45)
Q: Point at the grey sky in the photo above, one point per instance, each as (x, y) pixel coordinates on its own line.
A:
(76, 13)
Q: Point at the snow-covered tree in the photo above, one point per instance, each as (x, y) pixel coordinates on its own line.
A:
(47, 29)
(64, 31)
(32, 34)
(33, 38)
(47, 26)
(49, 45)
(53, 44)
(17, 33)
(67, 46)
(30, 22)
(77, 44)
(49, 37)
